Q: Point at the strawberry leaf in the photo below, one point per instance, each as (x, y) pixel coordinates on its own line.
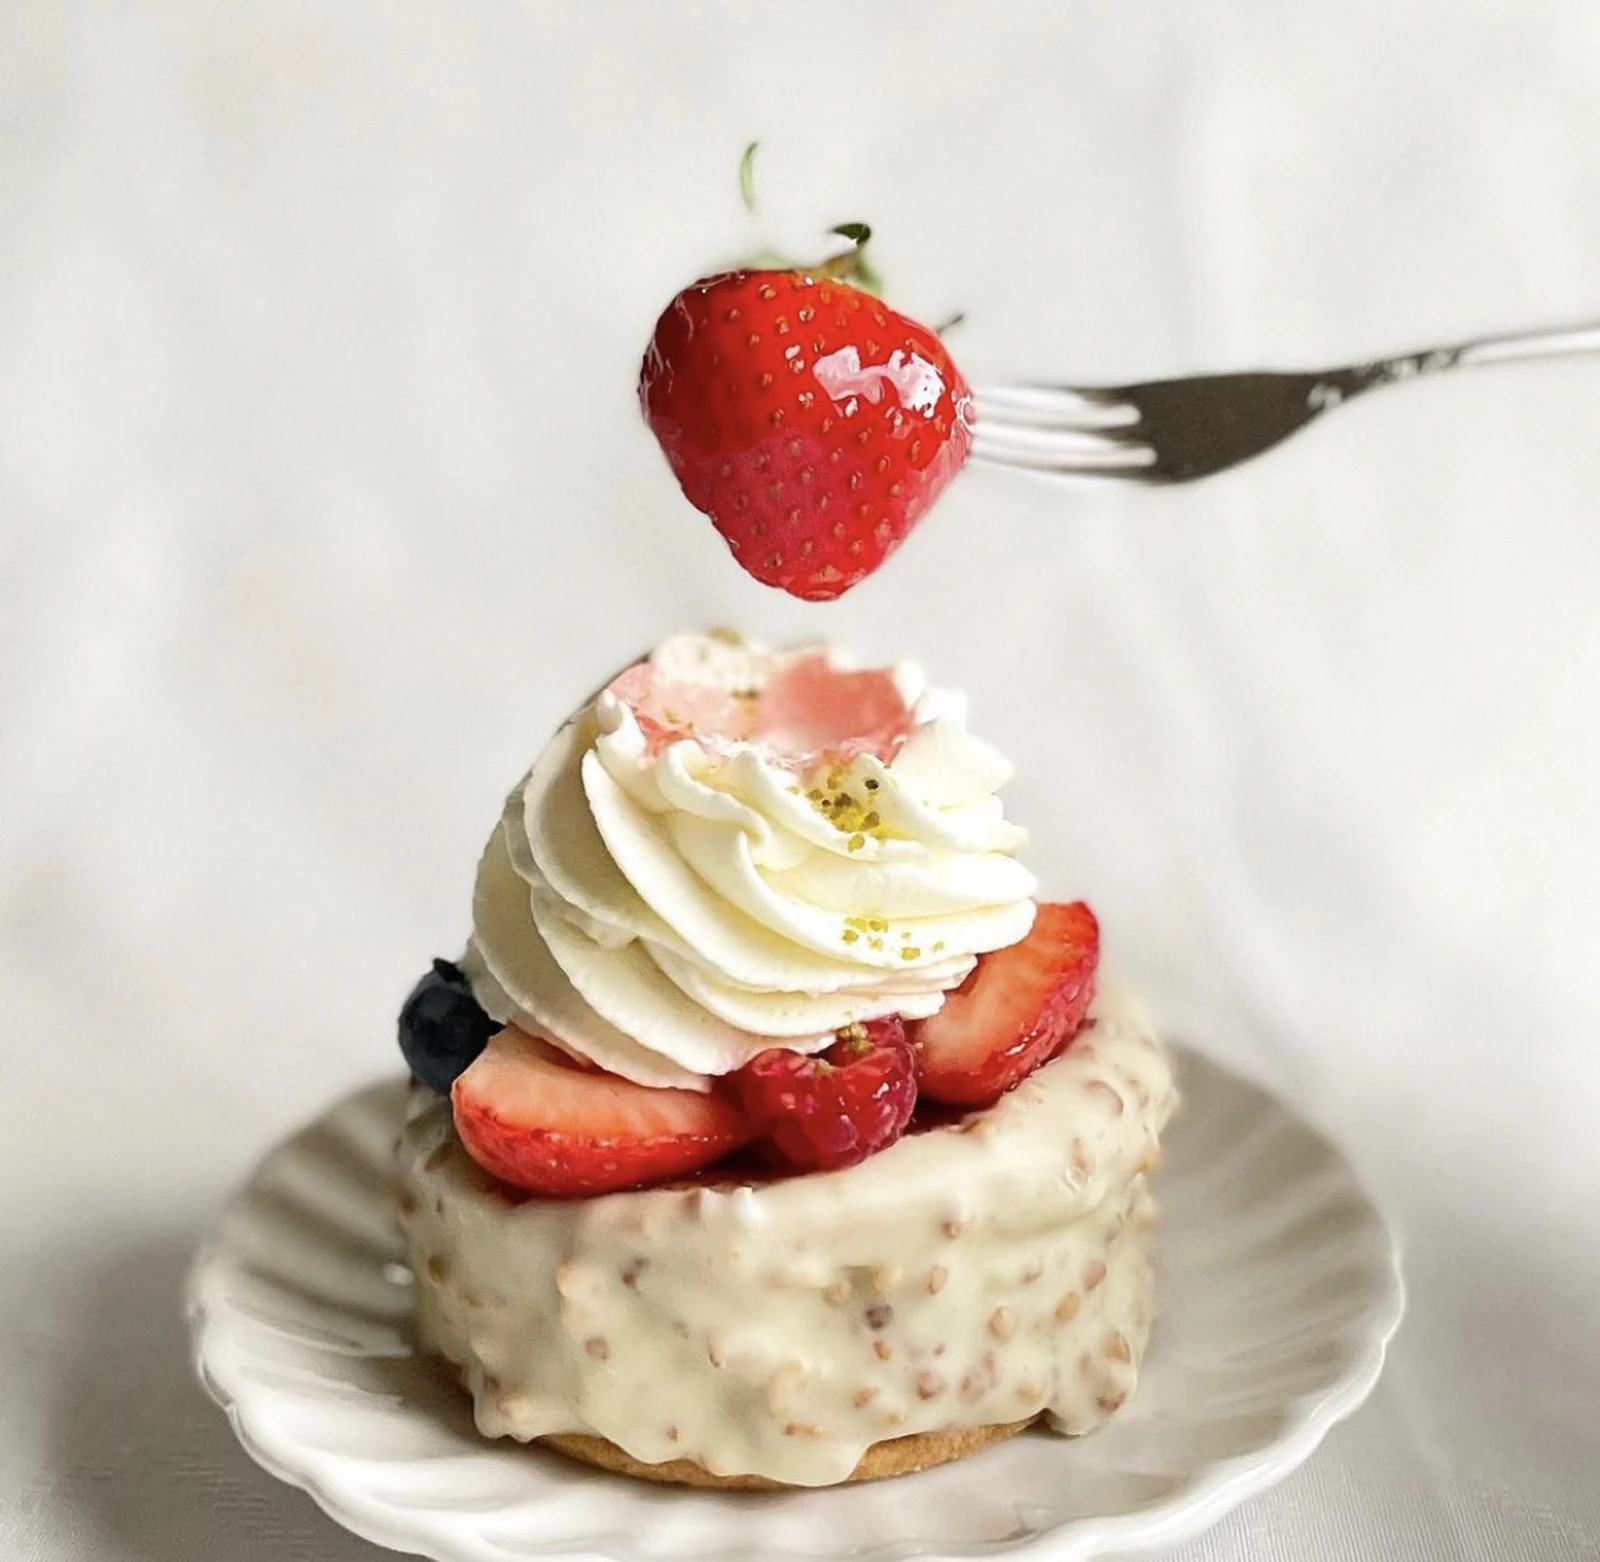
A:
(853, 266)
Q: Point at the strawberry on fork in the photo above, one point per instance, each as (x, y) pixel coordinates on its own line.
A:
(814, 424)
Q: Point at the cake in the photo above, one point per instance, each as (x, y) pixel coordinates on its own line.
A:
(769, 1132)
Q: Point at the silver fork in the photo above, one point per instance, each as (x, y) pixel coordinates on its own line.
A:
(1172, 431)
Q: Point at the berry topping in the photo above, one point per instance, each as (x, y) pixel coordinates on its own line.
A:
(810, 421)
(821, 1113)
(442, 1028)
(532, 1117)
(1018, 1008)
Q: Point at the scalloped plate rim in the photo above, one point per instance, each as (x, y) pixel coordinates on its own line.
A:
(1224, 1486)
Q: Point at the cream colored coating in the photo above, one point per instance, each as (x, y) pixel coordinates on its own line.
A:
(965, 1276)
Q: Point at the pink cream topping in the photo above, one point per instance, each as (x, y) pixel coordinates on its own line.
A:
(810, 712)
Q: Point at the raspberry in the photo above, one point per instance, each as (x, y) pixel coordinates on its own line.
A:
(822, 1113)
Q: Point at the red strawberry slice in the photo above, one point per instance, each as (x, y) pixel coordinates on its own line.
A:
(811, 422)
(529, 1116)
(1018, 1008)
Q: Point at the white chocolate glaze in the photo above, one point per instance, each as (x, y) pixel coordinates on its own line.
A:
(973, 1274)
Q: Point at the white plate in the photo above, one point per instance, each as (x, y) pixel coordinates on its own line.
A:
(1281, 1291)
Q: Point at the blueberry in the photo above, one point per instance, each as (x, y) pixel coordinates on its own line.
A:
(442, 1027)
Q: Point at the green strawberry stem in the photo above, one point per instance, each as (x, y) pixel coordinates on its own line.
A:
(852, 264)
(849, 265)
(747, 177)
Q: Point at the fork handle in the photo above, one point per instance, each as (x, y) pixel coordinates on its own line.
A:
(1556, 343)
(1514, 347)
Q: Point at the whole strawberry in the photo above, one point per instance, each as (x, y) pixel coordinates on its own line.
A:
(811, 422)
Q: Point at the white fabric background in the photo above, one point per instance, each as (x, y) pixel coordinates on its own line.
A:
(322, 494)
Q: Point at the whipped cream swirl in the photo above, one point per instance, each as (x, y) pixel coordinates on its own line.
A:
(731, 849)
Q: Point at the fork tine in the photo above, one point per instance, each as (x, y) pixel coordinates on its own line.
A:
(1055, 406)
(1060, 450)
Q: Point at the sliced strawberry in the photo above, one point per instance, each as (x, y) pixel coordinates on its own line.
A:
(1019, 1008)
(530, 1117)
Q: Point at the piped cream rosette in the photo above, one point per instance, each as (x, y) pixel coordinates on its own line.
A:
(731, 849)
